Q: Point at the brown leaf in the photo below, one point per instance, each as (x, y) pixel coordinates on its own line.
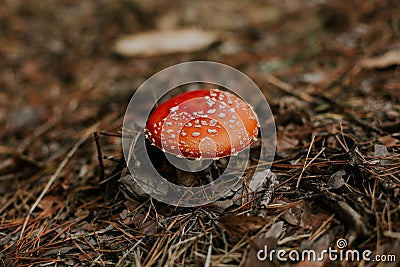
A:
(88, 256)
(48, 205)
(388, 140)
(270, 241)
(290, 217)
(306, 214)
(239, 225)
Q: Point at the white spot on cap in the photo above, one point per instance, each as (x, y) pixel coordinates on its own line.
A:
(211, 131)
(210, 102)
(211, 111)
(221, 115)
(183, 133)
(195, 134)
(213, 122)
(170, 131)
(168, 123)
(189, 124)
(173, 109)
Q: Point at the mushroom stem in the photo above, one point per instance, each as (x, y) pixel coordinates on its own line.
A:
(191, 173)
(186, 178)
(194, 165)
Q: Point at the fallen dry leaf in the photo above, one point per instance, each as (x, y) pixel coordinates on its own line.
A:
(388, 140)
(164, 42)
(242, 224)
(269, 241)
(380, 151)
(336, 180)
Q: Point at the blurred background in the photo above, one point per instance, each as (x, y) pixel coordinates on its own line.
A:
(58, 58)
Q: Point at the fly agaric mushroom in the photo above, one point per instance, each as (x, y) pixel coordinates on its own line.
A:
(203, 124)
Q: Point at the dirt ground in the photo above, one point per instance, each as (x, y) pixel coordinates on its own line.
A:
(330, 71)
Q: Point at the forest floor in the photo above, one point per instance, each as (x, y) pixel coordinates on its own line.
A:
(330, 71)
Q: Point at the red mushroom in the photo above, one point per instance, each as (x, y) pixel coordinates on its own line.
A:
(204, 124)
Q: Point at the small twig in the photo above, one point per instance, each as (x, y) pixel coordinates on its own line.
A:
(110, 134)
(208, 258)
(37, 133)
(305, 161)
(288, 89)
(351, 116)
(119, 263)
(345, 212)
(308, 165)
(99, 157)
(83, 138)
(325, 224)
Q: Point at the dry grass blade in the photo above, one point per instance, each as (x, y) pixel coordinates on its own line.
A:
(64, 162)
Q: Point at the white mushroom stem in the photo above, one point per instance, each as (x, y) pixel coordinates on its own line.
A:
(194, 165)
(191, 172)
(190, 165)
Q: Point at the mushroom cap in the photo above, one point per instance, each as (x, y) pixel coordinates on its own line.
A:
(207, 124)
